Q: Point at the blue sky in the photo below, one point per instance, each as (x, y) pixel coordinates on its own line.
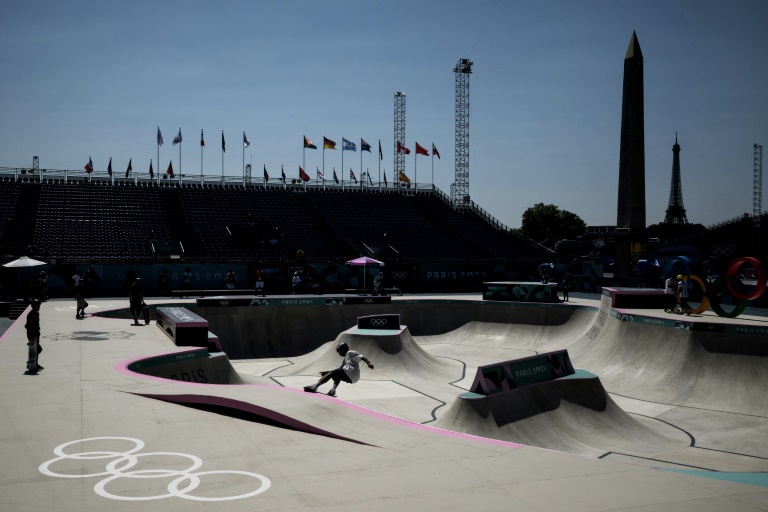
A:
(96, 79)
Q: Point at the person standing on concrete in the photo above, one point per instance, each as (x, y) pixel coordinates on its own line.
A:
(566, 286)
(670, 291)
(136, 299)
(682, 294)
(81, 304)
(349, 371)
(33, 338)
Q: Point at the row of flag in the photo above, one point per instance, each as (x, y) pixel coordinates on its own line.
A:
(177, 139)
(302, 174)
(347, 145)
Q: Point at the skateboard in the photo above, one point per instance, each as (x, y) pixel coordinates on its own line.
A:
(145, 311)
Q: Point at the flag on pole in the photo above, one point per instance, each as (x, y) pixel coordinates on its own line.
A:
(202, 140)
(109, 167)
(335, 178)
(370, 181)
(404, 178)
(159, 137)
(246, 142)
(320, 175)
(283, 173)
(381, 155)
(308, 143)
(266, 175)
(170, 169)
(347, 145)
(177, 138)
(402, 150)
(364, 146)
(304, 176)
(223, 144)
(434, 151)
(352, 175)
(151, 171)
(385, 179)
(328, 144)
(129, 169)
(89, 166)
(421, 150)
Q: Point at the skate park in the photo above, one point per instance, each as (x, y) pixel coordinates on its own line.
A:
(657, 414)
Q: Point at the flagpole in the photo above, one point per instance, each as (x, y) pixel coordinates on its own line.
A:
(433, 168)
(222, 157)
(158, 156)
(243, 169)
(201, 156)
(324, 156)
(361, 162)
(342, 164)
(415, 157)
(380, 154)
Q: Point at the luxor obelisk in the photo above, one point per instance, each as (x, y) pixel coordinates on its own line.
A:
(630, 220)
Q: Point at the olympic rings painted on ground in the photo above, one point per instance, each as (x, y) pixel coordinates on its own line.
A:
(379, 322)
(126, 460)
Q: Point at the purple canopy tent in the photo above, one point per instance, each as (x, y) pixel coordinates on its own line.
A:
(364, 261)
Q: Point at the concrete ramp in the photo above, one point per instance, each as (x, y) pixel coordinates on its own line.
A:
(394, 354)
(573, 414)
(682, 366)
(194, 366)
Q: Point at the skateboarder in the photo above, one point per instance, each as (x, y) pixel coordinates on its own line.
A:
(670, 291)
(349, 371)
(682, 294)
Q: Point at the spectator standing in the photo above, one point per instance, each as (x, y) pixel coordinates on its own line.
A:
(81, 305)
(682, 294)
(670, 293)
(566, 286)
(295, 283)
(230, 279)
(260, 282)
(33, 338)
(186, 279)
(136, 299)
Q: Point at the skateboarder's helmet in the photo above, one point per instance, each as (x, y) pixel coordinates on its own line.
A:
(342, 348)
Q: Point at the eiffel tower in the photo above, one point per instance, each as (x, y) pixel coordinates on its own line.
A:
(676, 210)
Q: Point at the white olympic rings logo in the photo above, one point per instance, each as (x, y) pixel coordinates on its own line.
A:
(368, 301)
(379, 322)
(398, 275)
(722, 250)
(128, 459)
(224, 303)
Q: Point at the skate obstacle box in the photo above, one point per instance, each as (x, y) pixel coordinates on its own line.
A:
(637, 298)
(509, 375)
(379, 322)
(520, 291)
(186, 329)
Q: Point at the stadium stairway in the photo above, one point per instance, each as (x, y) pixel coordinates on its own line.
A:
(20, 229)
(180, 228)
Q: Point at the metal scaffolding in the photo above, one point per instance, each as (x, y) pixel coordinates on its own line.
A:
(399, 136)
(460, 187)
(757, 197)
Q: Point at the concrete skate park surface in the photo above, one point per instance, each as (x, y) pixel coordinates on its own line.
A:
(90, 432)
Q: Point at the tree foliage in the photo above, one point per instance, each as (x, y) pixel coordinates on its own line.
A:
(542, 221)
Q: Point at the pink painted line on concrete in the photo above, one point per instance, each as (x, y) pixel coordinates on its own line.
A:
(14, 324)
(122, 367)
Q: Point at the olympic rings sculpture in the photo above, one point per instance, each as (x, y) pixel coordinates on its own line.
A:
(126, 460)
(712, 294)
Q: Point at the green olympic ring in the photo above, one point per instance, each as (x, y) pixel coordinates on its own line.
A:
(728, 283)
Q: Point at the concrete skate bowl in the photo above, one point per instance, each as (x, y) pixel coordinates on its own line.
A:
(394, 353)
(192, 366)
(707, 385)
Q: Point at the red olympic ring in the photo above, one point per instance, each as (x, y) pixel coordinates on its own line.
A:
(759, 274)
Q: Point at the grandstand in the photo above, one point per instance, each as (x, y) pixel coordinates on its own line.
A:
(82, 221)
